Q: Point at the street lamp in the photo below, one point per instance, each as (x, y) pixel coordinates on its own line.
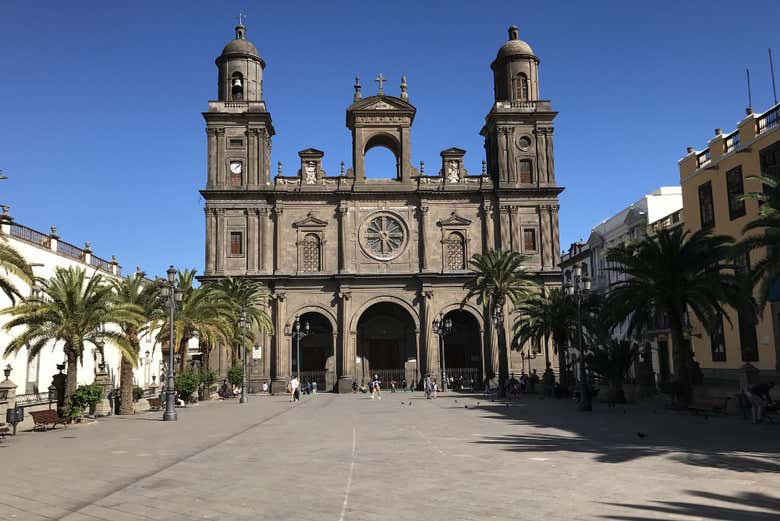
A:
(169, 291)
(242, 323)
(442, 327)
(297, 334)
(579, 287)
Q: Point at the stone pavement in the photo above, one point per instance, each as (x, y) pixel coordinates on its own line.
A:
(345, 457)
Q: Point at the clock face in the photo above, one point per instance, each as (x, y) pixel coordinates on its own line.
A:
(235, 167)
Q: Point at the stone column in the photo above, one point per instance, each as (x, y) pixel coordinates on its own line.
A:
(251, 240)
(430, 351)
(506, 234)
(344, 237)
(347, 369)
(219, 243)
(277, 213)
(220, 163)
(266, 241)
(556, 239)
(544, 249)
(503, 170)
(210, 239)
(281, 349)
(489, 238)
(423, 251)
(250, 172)
(514, 227)
(211, 138)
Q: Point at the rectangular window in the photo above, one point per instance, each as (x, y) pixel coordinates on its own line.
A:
(236, 143)
(735, 189)
(524, 171)
(236, 243)
(529, 240)
(706, 206)
(718, 341)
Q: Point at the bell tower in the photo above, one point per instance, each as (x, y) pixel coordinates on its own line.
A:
(518, 130)
(238, 124)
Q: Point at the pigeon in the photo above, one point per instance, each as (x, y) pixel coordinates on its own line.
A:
(410, 403)
(641, 434)
(456, 401)
(465, 406)
(477, 403)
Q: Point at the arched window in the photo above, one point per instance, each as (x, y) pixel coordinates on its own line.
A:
(455, 252)
(520, 87)
(237, 86)
(312, 260)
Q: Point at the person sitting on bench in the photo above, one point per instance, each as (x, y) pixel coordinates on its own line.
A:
(759, 398)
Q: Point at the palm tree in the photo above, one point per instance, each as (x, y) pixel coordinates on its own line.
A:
(500, 278)
(672, 273)
(767, 225)
(201, 314)
(72, 309)
(242, 294)
(12, 263)
(138, 293)
(612, 361)
(544, 316)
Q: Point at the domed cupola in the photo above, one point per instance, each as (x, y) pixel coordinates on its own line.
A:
(515, 70)
(240, 70)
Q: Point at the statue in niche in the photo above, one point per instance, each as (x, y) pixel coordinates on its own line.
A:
(453, 172)
(311, 172)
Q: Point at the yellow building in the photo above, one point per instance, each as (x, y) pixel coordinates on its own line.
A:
(713, 181)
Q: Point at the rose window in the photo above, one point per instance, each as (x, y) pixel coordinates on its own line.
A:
(384, 236)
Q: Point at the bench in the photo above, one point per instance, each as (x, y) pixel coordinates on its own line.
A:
(44, 418)
(155, 404)
(711, 406)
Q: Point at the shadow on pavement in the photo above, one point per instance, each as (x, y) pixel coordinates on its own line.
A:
(747, 506)
(625, 433)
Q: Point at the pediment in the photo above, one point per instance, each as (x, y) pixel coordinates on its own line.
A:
(311, 152)
(455, 220)
(453, 151)
(634, 216)
(595, 239)
(383, 103)
(310, 221)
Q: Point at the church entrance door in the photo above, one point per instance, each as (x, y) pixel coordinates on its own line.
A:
(463, 352)
(318, 361)
(386, 345)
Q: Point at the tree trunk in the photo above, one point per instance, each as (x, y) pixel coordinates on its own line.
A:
(562, 372)
(681, 385)
(126, 405)
(71, 379)
(183, 354)
(503, 362)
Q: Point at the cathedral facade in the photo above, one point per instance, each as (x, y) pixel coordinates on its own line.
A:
(366, 265)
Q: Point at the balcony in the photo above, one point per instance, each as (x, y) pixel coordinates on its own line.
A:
(731, 143)
(703, 158)
(236, 107)
(523, 106)
(768, 119)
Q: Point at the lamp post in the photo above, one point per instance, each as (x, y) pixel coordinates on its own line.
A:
(242, 323)
(169, 291)
(442, 327)
(577, 288)
(498, 322)
(297, 334)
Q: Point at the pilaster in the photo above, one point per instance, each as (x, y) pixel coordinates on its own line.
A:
(220, 163)
(267, 241)
(278, 211)
(281, 354)
(347, 369)
(344, 233)
(251, 240)
(423, 212)
(219, 243)
(211, 138)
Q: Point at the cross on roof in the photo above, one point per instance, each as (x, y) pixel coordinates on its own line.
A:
(380, 80)
(241, 18)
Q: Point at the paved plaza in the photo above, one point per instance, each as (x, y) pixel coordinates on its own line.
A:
(345, 457)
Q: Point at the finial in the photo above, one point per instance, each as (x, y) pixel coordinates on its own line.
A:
(514, 32)
(380, 80)
(5, 208)
(241, 28)
(241, 18)
(279, 168)
(422, 167)
(404, 94)
(484, 167)
(86, 246)
(357, 89)
(341, 169)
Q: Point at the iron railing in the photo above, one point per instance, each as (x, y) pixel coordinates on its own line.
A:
(100, 264)
(769, 119)
(29, 235)
(31, 399)
(70, 250)
(732, 141)
(703, 159)
(464, 379)
(314, 376)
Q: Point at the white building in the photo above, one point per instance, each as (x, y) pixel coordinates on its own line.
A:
(46, 252)
(632, 223)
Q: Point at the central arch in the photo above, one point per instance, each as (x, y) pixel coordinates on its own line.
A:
(387, 344)
(384, 158)
(317, 350)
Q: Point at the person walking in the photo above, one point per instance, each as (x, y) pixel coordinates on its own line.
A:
(428, 386)
(295, 389)
(759, 398)
(377, 389)
(314, 388)
(354, 387)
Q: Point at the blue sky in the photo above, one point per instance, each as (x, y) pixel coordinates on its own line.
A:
(101, 132)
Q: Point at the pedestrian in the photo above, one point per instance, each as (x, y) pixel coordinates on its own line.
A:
(435, 387)
(308, 388)
(392, 386)
(759, 398)
(354, 387)
(265, 387)
(428, 387)
(532, 381)
(523, 382)
(314, 388)
(295, 389)
(403, 384)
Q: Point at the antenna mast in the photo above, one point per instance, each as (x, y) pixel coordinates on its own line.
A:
(772, 72)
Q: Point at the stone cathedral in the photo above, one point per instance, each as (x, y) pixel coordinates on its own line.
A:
(367, 264)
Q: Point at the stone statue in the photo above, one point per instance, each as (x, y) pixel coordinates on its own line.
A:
(453, 172)
(311, 172)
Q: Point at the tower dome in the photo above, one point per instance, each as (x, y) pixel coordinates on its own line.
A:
(514, 46)
(515, 71)
(240, 69)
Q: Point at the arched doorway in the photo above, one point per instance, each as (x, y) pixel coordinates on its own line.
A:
(463, 351)
(386, 345)
(318, 360)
